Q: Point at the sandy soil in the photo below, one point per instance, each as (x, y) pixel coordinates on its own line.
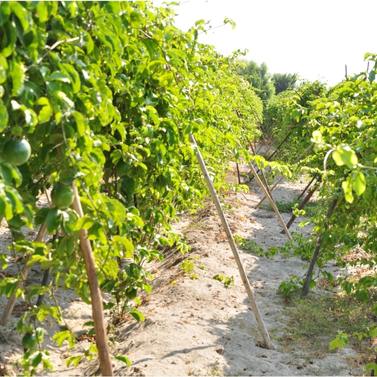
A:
(199, 327)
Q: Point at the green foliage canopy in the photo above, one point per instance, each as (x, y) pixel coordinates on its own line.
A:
(259, 77)
(107, 95)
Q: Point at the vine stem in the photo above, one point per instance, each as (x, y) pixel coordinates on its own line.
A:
(249, 289)
(95, 293)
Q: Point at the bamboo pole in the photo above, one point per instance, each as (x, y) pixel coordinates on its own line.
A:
(271, 200)
(306, 188)
(272, 189)
(302, 205)
(238, 173)
(309, 273)
(23, 275)
(250, 291)
(95, 294)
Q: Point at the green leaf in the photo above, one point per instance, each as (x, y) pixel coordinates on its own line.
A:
(74, 360)
(347, 188)
(59, 76)
(124, 359)
(139, 316)
(65, 99)
(29, 341)
(46, 111)
(373, 332)
(3, 69)
(53, 219)
(344, 155)
(371, 367)
(4, 117)
(126, 244)
(31, 118)
(358, 182)
(339, 342)
(80, 123)
(74, 77)
(18, 77)
(21, 13)
(36, 360)
(42, 11)
(64, 336)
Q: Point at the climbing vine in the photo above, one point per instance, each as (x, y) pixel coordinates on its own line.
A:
(104, 96)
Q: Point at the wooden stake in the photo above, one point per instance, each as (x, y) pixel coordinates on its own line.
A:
(250, 291)
(308, 278)
(95, 294)
(302, 205)
(23, 275)
(306, 187)
(272, 202)
(272, 189)
(238, 173)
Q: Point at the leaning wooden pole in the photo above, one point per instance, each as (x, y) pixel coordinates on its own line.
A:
(306, 188)
(271, 201)
(238, 173)
(272, 189)
(95, 294)
(302, 205)
(313, 261)
(23, 275)
(250, 291)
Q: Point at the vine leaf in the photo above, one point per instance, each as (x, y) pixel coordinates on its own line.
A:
(344, 155)
(124, 359)
(358, 183)
(339, 342)
(347, 188)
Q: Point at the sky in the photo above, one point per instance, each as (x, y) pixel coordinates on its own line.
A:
(314, 38)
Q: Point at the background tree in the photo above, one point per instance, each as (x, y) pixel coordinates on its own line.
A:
(259, 77)
(284, 81)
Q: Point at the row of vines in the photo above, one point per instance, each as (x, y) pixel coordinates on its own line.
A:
(331, 135)
(103, 97)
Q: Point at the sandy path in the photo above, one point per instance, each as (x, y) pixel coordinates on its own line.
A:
(199, 327)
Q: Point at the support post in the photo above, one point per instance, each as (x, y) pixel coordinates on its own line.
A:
(250, 291)
(272, 189)
(302, 205)
(306, 188)
(272, 202)
(238, 173)
(95, 294)
(308, 278)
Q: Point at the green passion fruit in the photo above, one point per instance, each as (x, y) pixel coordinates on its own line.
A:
(16, 152)
(62, 195)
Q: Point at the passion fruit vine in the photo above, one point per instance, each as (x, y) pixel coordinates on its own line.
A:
(16, 152)
(62, 195)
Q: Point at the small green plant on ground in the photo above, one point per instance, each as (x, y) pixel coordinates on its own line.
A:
(330, 322)
(300, 245)
(290, 287)
(188, 268)
(228, 281)
(292, 207)
(252, 247)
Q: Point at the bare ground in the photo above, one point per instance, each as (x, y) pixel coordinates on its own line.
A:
(199, 327)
